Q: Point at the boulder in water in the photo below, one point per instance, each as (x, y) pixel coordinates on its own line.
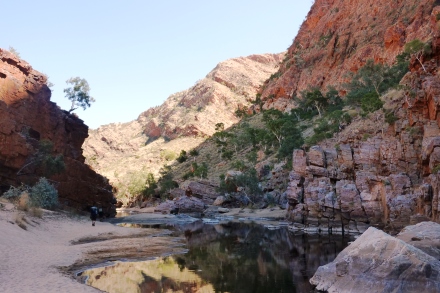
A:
(378, 262)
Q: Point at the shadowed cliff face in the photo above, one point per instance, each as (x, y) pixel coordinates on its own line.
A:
(339, 36)
(27, 116)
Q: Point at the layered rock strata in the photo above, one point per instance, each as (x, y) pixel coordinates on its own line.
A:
(381, 174)
(340, 36)
(27, 116)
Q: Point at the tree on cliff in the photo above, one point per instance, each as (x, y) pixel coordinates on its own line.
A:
(43, 159)
(78, 93)
(418, 49)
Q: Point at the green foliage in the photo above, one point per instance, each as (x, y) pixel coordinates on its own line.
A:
(168, 155)
(239, 165)
(374, 78)
(370, 102)
(435, 169)
(249, 181)
(418, 49)
(227, 154)
(390, 118)
(182, 157)
(14, 51)
(258, 102)
(166, 181)
(201, 171)
(44, 161)
(150, 186)
(14, 192)
(242, 112)
(43, 194)
(78, 93)
(252, 157)
(194, 153)
(226, 186)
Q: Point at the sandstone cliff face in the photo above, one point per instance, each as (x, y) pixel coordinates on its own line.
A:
(27, 116)
(339, 36)
(183, 121)
(374, 173)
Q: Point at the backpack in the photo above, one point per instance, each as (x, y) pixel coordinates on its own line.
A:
(94, 211)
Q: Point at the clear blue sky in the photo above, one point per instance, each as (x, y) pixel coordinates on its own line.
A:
(134, 53)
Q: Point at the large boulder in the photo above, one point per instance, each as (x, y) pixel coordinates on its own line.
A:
(425, 236)
(184, 204)
(378, 262)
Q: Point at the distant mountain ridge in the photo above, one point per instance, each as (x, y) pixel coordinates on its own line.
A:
(183, 121)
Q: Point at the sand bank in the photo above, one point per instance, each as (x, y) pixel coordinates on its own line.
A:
(42, 257)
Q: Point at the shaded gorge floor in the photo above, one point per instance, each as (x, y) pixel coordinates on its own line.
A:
(232, 257)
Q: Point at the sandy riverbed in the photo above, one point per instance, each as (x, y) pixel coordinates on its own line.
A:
(43, 257)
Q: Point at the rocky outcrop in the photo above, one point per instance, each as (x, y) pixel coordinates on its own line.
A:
(374, 173)
(424, 236)
(377, 262)
(27, 116)
(184, 204)
(339, 36)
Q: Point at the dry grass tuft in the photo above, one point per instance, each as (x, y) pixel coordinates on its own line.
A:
(23, 202)
(20, 221)
(36, 212)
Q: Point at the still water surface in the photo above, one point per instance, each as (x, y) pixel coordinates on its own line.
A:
(233, 257)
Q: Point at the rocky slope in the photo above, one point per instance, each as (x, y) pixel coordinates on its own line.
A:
(374, 173)
(183, 121)
(27, 116)
(339, 36)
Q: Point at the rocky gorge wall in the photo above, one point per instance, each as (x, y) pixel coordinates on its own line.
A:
(340, 36)
(376, 173)
(27, 116)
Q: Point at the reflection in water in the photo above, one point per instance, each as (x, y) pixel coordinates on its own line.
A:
(234, 257)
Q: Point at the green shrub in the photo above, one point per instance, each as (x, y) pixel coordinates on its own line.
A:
(390, 118)
(167, 155)
(14, 192)
(370, 102)
(44, 195)
(193, 152)
(435, 169)
(182, 157)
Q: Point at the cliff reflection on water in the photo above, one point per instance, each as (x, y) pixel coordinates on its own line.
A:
(234, 257)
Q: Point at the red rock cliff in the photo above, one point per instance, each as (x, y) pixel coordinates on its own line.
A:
(26, 116)
(374, 173)
(339, 36)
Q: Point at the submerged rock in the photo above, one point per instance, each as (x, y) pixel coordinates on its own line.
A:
(378, 262)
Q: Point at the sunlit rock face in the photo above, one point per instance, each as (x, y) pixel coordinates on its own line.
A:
(183, 121)
(374, 173)
(377, 262)
(27, 116)
(339, 36)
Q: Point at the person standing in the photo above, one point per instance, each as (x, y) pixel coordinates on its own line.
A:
(93, 214)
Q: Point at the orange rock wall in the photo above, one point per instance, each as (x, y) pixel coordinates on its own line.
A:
(26, 116)
(339, 36)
